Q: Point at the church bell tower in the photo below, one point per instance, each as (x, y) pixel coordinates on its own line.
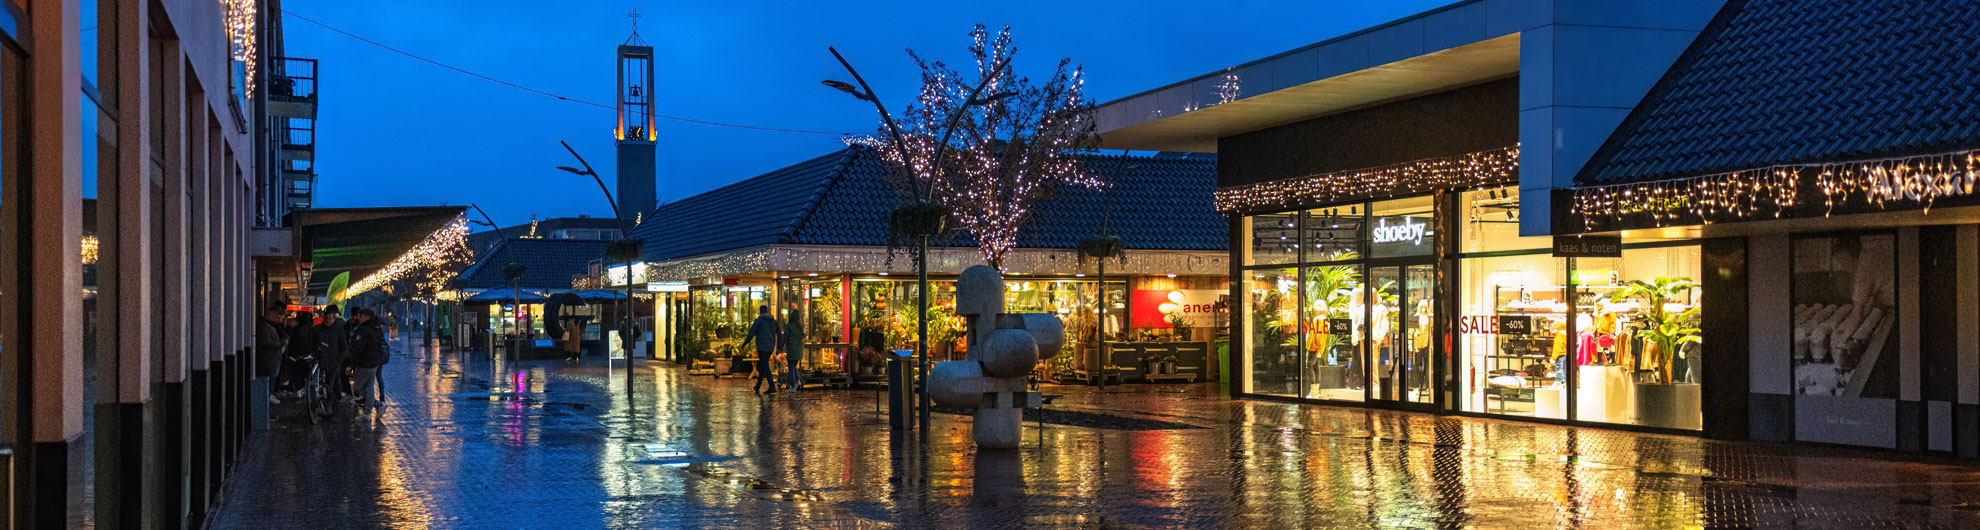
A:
(635, 134)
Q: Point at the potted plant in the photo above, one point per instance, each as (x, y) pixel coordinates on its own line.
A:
(1169, 364)
(1661, 401)
(1183, 329)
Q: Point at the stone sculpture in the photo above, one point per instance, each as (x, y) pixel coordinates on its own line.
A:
(1003, 348)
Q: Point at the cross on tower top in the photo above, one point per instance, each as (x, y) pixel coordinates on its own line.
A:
(635, 16)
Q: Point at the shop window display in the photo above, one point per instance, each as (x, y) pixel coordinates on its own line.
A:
(1844, 316)
(1490, 220)
(1400, 325)
(1844, 352)
(1335, 319)
(825, 322)
(1274, 239)
(1637, 339)
(1272, 335)
(1333, 234)
(1514, 334)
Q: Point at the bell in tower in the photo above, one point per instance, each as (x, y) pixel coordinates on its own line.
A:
(635, 134)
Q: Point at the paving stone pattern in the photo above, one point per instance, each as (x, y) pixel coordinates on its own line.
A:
(469, 443)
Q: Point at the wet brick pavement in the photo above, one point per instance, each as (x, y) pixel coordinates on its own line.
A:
(477, 444)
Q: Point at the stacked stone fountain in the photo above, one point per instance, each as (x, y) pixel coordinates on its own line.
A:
(1003, 348)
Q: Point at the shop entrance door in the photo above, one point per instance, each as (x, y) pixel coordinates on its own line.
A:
(1401, 317)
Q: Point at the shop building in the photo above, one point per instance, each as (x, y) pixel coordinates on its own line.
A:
(810, 241)
(1821, 157)
(131, 197)
(1388, 194)
(1637, 215)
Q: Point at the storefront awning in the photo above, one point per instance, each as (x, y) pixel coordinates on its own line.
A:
(1438, 50)
(362, 241)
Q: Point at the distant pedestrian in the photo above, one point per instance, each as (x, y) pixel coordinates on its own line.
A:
(764, 333)
(572, 336)
(367, 354)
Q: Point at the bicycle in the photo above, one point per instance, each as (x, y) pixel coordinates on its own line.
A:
(315, 391)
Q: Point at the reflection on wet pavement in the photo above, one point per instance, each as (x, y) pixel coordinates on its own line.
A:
(479, 444)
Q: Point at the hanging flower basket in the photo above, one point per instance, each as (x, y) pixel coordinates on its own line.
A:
(1102, 247)
(920, 218)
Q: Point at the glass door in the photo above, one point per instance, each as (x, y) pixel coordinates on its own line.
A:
(1401, 317)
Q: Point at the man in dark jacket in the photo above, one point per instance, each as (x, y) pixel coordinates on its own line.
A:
(333, 345)
(367, 353)
(793, 349)
(268, 342)
(764, 333)
(296, 359)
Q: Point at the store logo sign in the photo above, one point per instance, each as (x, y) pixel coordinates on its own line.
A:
(1406, 232)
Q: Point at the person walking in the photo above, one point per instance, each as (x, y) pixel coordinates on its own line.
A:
(764, 333)
(268, 341)
(333, 345)
(793, 349)
(367, 353)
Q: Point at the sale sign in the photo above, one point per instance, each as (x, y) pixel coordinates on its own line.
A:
(1152, 308)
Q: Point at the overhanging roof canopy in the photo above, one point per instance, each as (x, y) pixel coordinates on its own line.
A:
(1431, 52)
(362, 240)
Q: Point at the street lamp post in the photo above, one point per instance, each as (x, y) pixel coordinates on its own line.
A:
(865, 92)
(627, 249)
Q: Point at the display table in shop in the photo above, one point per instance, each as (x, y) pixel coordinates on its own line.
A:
(1603, 394)
(1186, 377)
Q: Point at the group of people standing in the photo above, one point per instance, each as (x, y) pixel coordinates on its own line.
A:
(349, 352)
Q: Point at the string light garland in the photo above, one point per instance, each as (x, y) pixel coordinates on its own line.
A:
(1774, 192)
(240, 16)
(941, 260)
(430, 264)
(1467, 171)
(89, 246)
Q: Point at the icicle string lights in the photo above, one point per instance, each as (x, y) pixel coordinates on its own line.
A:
(240, 16)
(1915, 181)
(1473, 170)
(431, 263)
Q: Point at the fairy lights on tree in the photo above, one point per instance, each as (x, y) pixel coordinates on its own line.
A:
(1005, 151)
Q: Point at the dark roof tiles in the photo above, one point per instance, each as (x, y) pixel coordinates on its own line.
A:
(1806, 81)
(549, 263)
(843, 198)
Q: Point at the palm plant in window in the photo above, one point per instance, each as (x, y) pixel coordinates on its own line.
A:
(1663, 328)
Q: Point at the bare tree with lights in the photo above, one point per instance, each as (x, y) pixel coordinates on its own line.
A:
(1010, 149)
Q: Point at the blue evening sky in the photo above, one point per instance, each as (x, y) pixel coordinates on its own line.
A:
(394, 131)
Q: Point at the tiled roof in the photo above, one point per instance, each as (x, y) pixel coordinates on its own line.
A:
(1164, 203)
(549, 263)
(1804, 81)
